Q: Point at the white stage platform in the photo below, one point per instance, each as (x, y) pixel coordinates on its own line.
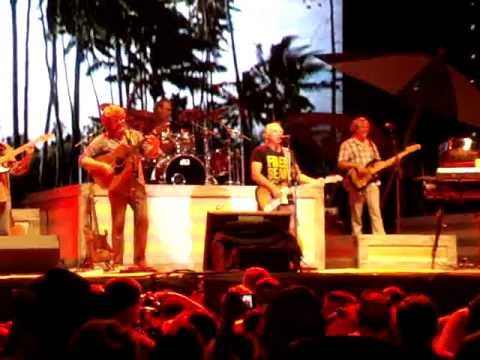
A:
(177, 217)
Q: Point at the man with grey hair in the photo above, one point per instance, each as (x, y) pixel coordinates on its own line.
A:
(354, 155)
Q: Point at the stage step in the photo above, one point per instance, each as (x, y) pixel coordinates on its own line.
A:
(406, 252)
(27, 222)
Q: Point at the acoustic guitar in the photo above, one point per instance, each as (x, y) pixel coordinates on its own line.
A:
(9, 157)
(266, 202)
(354, 180)
(122, 160)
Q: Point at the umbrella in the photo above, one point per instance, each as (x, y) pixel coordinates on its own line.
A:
(433, 85)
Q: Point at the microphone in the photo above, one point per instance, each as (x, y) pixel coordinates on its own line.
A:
(389, 126)
(285, 136)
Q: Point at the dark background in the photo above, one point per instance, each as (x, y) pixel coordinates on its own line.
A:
(384, 27)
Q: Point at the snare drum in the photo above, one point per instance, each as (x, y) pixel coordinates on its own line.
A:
(182, 169)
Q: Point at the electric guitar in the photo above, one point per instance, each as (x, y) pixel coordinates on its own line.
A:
(359, 182)
(97, 247)
(266, 202)
(9, 157)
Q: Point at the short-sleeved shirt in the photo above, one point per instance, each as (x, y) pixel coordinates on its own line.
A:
(358, 152)
(103, 144)
(274, 164)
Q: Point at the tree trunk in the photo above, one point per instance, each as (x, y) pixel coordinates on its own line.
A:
(97, 100)
(52, 103)
(76, 136)
(25, 89)
(118, 58)
(67, 81)
(59, 156)
(16, 134)
(334, 71)
(44, 153)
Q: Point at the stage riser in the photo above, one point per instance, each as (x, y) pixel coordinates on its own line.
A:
(177, 218)
(406, 251)
(397, 252)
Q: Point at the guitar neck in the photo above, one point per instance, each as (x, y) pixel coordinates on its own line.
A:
(390, 161)
(22, 148)
(15, 152)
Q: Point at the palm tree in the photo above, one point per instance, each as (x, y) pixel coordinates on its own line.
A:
(334, 50)
(273, 87)
(16, 134)
(25, 89)
(52, 104)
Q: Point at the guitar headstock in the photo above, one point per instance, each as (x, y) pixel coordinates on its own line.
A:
(329, 179)
(413, 148)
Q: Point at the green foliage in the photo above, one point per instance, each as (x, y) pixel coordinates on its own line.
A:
(159, 42)
(272, 88)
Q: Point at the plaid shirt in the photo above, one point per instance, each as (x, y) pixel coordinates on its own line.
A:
(358, 152)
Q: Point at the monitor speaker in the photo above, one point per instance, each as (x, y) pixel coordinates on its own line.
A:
(238, 240)
(28, 254)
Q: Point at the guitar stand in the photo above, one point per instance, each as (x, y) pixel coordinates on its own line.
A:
(438, 230)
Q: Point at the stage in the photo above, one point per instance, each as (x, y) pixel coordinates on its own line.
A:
(177, 220)
(176, 246)
(450, 289)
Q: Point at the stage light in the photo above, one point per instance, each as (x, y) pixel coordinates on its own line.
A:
(467, 144)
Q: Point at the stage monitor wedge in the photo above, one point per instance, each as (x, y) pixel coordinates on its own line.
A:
(254, 239)
(28, 254)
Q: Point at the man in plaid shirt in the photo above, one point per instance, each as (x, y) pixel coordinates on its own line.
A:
(355, 153)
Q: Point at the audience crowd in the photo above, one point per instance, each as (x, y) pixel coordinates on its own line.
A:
(62, 316)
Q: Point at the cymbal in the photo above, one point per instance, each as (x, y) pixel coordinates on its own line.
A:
(217, 114)
(142, 120)
(197, 115)
(191, 115)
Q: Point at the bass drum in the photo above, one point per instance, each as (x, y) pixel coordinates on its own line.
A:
(182, 169)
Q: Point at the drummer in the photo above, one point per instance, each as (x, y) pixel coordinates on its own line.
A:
(162, 113)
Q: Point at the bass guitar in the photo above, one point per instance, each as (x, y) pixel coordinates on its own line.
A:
(9, 157)
(355, 180)
(266, 202)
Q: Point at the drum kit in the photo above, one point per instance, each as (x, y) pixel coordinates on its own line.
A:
(197, 148)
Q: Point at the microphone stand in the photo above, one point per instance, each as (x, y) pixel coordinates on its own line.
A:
(397, 175)
(293, 179)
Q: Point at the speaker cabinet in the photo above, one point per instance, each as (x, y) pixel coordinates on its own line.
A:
(28, 254)
(238, 240)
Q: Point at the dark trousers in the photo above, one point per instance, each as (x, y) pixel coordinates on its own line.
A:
(5, 217)
(136, 197)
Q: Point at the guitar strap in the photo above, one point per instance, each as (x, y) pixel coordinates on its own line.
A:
(292, 176)
(138, 170)
(376, 155)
